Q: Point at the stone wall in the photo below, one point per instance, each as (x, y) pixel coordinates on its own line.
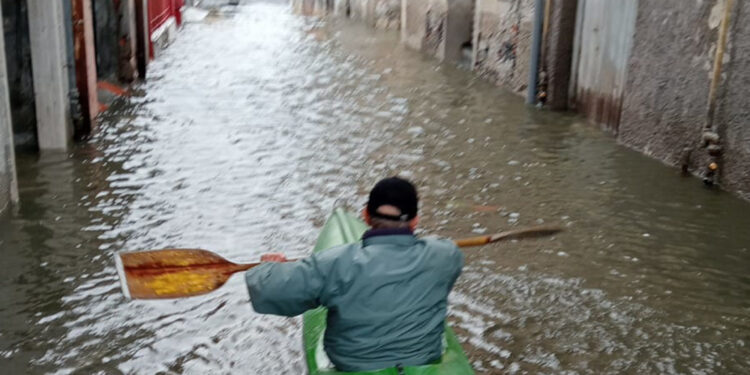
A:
(502, 41)
(669, 76)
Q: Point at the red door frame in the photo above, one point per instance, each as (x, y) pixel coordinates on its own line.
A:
(85, 60)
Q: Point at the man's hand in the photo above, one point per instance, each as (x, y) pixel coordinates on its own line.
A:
(273, 257)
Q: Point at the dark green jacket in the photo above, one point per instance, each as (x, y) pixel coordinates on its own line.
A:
(386, 297)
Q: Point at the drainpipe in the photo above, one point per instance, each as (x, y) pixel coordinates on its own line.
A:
(536, 47)
(543, 79)
(711, 138)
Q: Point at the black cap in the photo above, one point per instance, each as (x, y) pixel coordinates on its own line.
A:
(395, 192)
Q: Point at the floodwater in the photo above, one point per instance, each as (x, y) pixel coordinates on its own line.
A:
(254, 125)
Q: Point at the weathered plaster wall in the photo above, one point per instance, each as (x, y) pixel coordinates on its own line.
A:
(341, 8)
(413, 18)
(502, 41)
(438, 27)
(666, 96)
(364, 10)
(304, 7)
(387, 14)
(459, 29)
(18, 63)
(358, 9)
(320, 7)
(423, 24)
(435, 28)
(381, 14)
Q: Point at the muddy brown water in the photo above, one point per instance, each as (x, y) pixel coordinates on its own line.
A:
(254, 126)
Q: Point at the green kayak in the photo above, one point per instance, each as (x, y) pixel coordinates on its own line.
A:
(343, 228)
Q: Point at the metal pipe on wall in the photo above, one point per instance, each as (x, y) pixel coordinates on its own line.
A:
(536, 47)
(718, 63)
(710, 136)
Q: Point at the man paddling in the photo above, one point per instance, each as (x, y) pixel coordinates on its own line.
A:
(386, 295)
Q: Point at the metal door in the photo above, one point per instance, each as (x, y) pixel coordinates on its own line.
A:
(603, 41)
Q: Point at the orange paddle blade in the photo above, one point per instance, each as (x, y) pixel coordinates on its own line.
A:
(173, 273)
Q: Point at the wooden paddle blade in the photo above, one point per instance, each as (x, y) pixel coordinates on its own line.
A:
(173, 273)
(159, 259)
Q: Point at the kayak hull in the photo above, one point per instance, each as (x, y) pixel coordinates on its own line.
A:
(343, 228)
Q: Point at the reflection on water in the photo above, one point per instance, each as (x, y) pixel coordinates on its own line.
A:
(254, 127)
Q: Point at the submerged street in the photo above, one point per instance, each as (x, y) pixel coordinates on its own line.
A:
(256, 123)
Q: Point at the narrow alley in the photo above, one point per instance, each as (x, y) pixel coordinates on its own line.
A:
(256, 123)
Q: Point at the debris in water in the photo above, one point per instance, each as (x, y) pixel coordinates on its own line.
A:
(415, 131)
(486, 208)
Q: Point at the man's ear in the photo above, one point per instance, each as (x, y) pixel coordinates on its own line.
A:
(366, 216)
(413, 223)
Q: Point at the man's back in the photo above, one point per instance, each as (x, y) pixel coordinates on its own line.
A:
(386, 297)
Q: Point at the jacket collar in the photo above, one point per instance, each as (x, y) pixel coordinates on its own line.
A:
(401, 236)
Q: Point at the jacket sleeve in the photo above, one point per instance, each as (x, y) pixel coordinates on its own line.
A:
(286, 289)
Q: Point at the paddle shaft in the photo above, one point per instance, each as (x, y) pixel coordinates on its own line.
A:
(508, 235)
(472, 241)
(177, 273)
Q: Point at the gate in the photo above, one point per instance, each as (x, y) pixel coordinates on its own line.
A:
(160, 12)
(603, 41)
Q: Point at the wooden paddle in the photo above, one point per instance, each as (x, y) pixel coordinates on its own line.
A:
(180, 273)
